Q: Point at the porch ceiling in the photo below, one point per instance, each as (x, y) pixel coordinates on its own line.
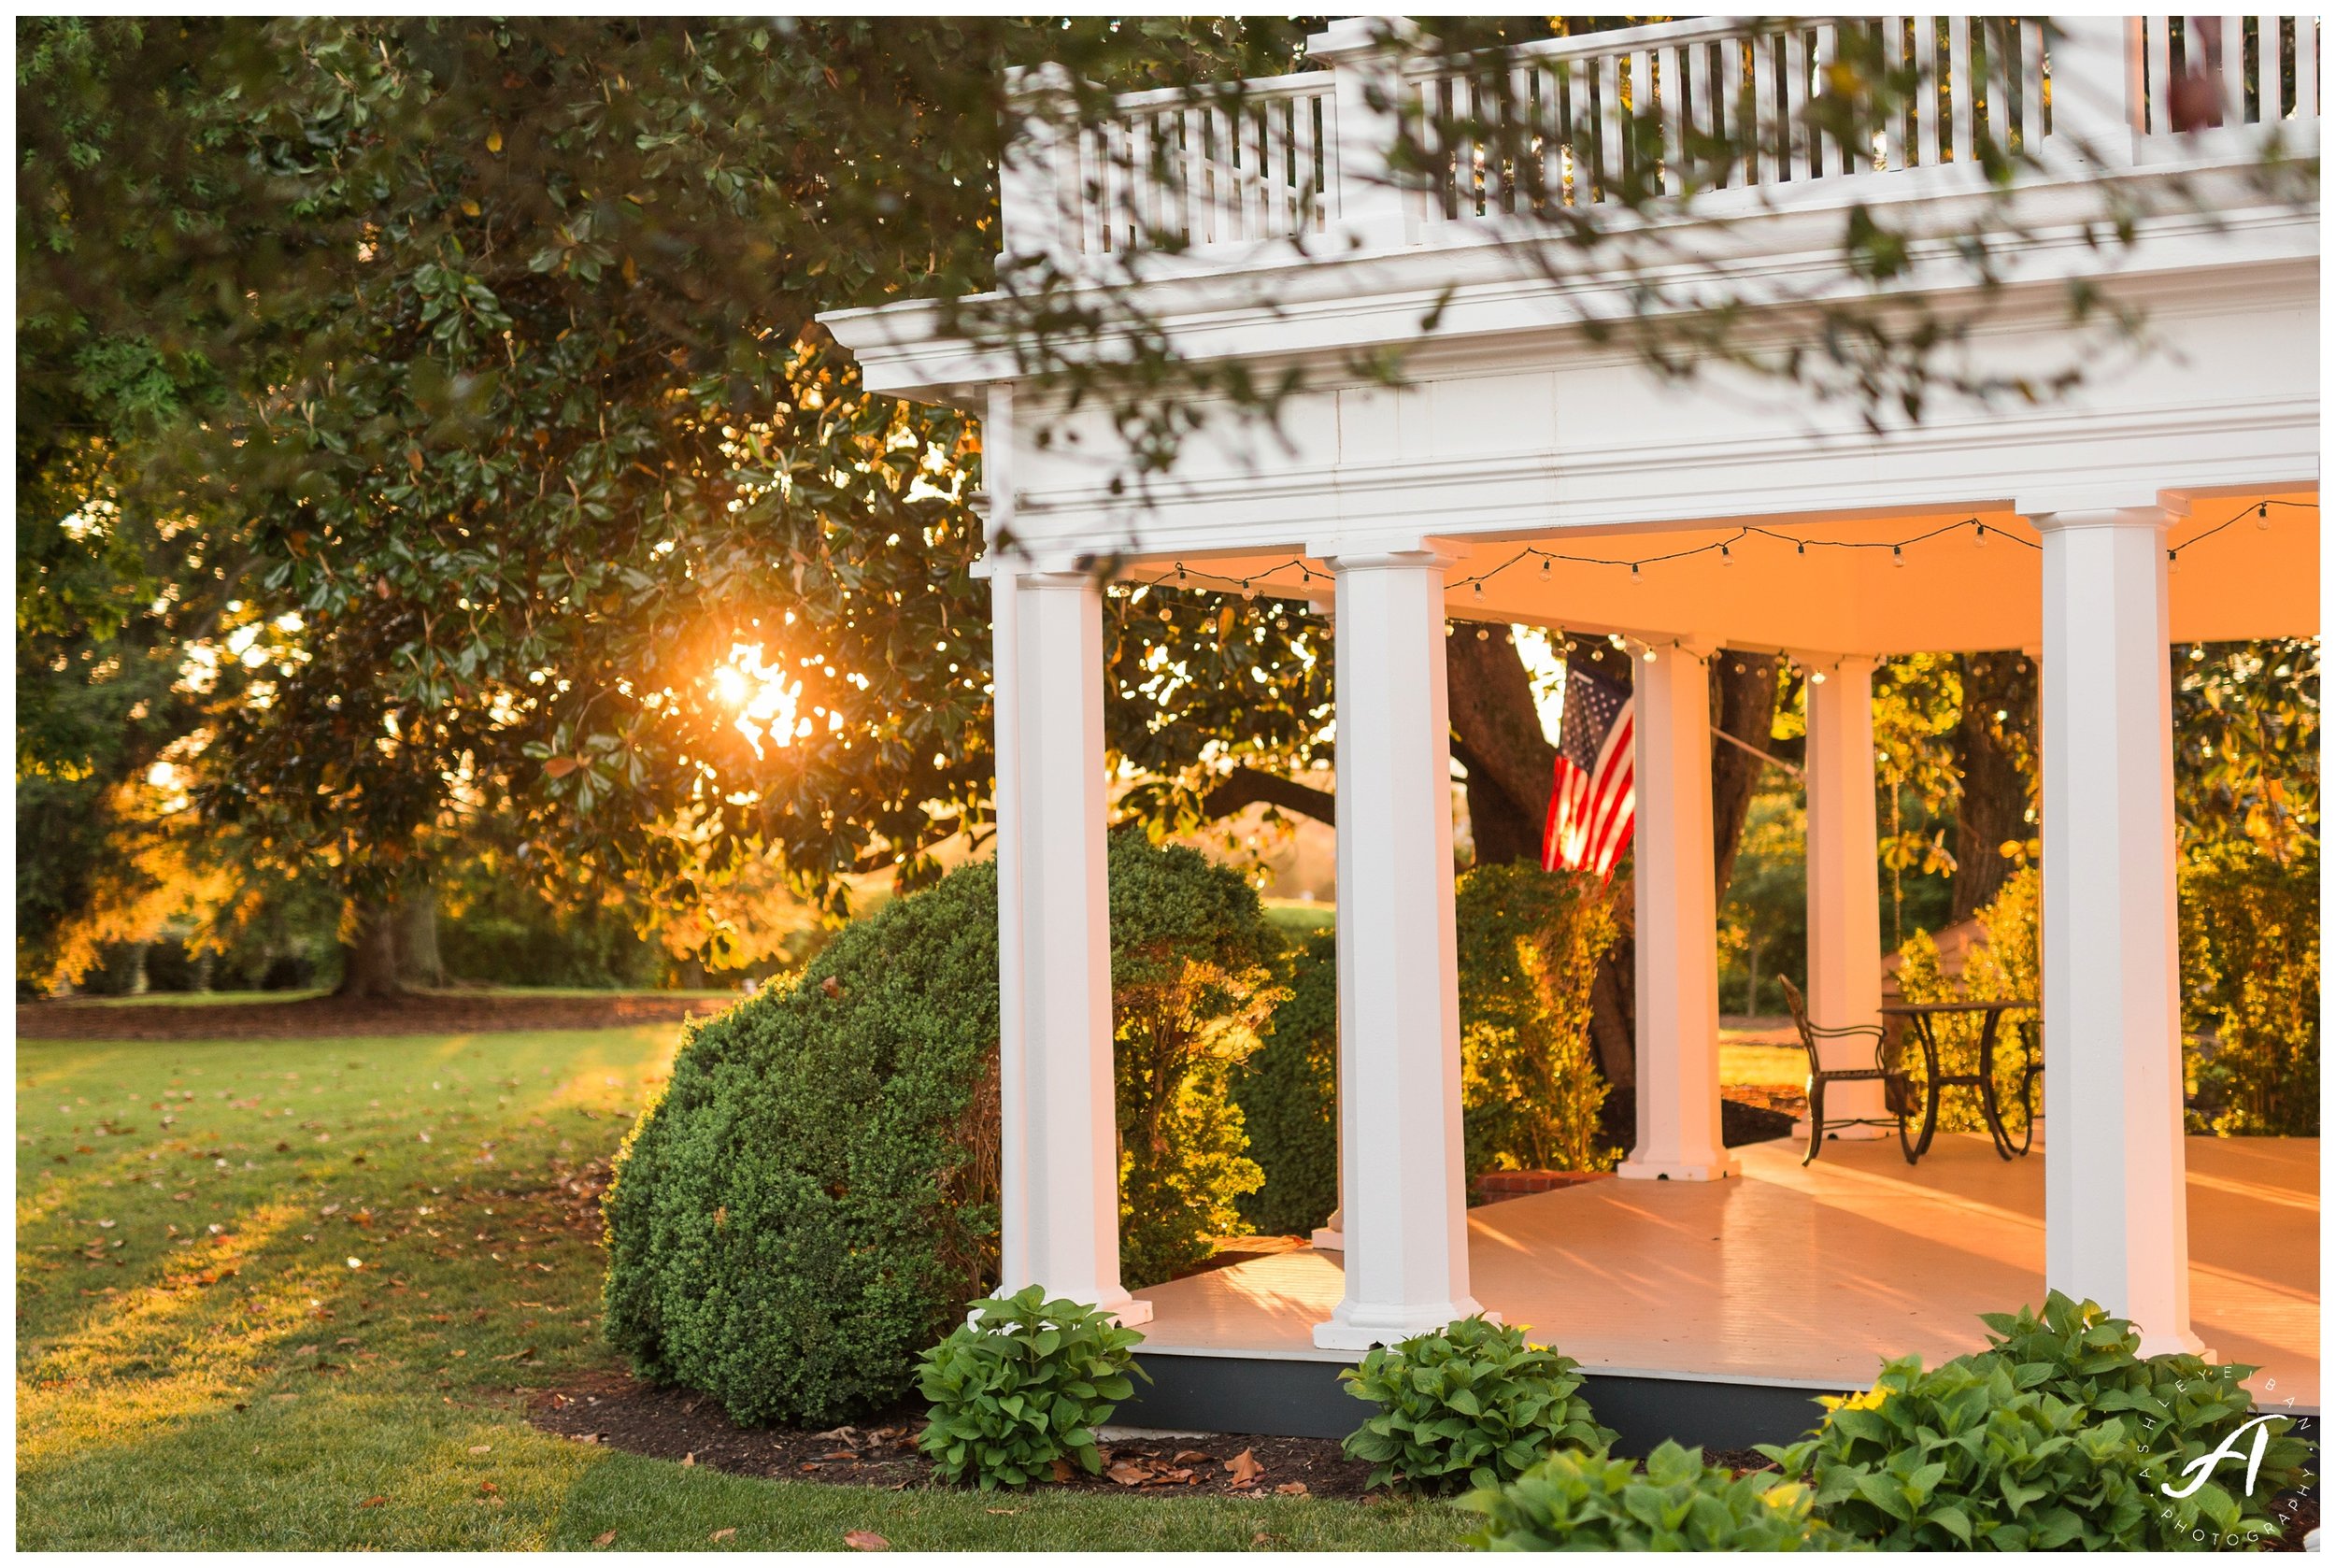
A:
(1951, 593)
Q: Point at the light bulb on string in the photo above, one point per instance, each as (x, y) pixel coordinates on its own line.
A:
(1544, 568)
(1484, 633)
(1816, 677)
(1648, 655)
(1180, 576)
(1725, 558)
(2262, 514)
(1800, 546)
(2173, 560)
(1634, 572)
(1248, 590)
(1980, 538)
(1897, 555)
(1477, 587)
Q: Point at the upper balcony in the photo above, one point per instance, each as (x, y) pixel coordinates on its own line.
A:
(1586, 130)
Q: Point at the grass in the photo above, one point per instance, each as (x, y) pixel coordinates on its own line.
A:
(290, 1295)
(217, 998)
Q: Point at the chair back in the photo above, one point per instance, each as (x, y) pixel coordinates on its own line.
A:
(1800, 1019)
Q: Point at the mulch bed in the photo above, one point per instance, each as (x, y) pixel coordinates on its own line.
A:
(441, 1012)
(621, 1412)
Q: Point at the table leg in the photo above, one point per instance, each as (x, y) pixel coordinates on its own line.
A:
(1987, 1106)
(1930, 1099)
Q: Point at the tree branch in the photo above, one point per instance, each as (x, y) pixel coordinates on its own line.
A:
(1249, 786)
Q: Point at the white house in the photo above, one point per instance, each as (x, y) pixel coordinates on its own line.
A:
(1523, 473)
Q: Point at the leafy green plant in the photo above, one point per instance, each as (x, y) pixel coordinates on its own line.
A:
(815, 1199)
(2176, 1408)
(1473, 1402)
(1192, 981)
(1023, 1384)
(1287, 1092)
(2251, 992)
(1962, 1458)
(1589, 1502)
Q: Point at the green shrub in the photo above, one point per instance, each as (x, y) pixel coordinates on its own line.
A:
(1192, 981)
(814, 1198)
(2251, 985)
(1587, 1501)
(1470, 1402)
(1023, 1385)
(1287, 1092)
(1962, 1458)
(2176, 1408)
(1529, 945)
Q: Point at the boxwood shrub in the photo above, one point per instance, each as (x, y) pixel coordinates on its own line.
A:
(814, 1198)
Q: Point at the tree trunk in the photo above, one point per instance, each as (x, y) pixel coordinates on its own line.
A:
(369, 960)
(1744, 704)
(416, 923)
(1497, 737)
(1996, 758)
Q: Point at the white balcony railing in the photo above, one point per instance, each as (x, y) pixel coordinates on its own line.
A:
(1213, 177)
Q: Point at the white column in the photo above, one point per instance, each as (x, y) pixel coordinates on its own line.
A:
(1845, 888)
(2117, 1227)
(1399, 1072)
(1058, 1165)
(1679, 926)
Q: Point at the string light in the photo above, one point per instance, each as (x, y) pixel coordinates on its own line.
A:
(1982, 535)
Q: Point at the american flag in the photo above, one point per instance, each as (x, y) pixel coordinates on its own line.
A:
(1596, 797)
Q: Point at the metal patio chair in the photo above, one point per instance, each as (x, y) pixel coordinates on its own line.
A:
(1893, 1081)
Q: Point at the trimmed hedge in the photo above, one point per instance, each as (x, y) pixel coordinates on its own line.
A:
(1287, 1092)
(814, 1200)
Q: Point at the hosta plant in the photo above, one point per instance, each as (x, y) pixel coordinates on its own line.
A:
(1021, 1385)
(1471, 1403)
(1963, 1459)
(2178, 1409)
(1577, 1502)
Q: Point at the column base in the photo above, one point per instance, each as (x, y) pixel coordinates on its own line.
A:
(1658, 1170)
(1369, 1326)
(1328, 1240)
(2183, 1344)
(1129, 1311)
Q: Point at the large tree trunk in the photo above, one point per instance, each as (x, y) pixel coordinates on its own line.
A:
(1743, 705)
(369, 960)
(1992, 755)
(418, 961)
(1496, 728)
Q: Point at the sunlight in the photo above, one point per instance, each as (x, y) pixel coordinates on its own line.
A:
(764, 697)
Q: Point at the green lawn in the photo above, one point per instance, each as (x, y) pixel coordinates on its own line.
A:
(286, 1295)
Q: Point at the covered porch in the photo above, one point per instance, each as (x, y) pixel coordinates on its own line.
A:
(1796, 1280)
(1528, 471)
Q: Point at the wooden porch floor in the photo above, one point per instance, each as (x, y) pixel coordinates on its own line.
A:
(1810, 1276)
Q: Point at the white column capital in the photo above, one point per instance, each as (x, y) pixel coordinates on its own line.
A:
(1415, 554)
(2150, 515)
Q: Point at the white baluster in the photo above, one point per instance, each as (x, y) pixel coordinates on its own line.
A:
(2234, 72)
(2307, 68)
(2031, 87)
(1801, 149)
(1610, 126)
(1894, 62)
(1961, 94)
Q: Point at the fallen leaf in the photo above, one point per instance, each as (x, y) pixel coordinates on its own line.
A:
(1291, 1488)
(604, 1537)
(1192, 1456)
(688, 1461)
(1062, 1470)
(1129, 1473)
(841, 1453)
(866, 1541)
(1260, 1538)
(488, 1488)
(1000, 1510)
(1244, 1468)
(373, 1503)
(481, 1447)
(723, 1534)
